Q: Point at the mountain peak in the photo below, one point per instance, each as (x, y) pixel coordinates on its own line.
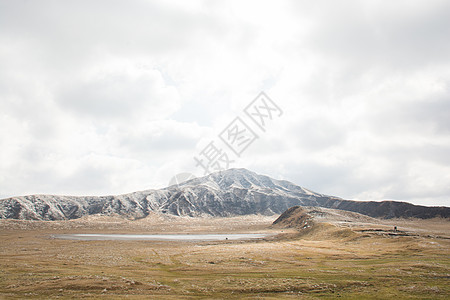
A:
(244, 179)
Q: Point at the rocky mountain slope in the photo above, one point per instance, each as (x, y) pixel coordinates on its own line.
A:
(227, 193)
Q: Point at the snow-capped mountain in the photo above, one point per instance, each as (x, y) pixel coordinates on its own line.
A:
(227, 193)
(234, 192)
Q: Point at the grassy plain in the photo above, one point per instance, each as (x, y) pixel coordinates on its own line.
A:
(350, 260)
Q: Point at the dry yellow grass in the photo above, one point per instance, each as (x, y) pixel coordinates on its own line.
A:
(342, 259)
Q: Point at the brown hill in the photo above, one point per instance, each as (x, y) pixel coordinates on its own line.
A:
(294, 217)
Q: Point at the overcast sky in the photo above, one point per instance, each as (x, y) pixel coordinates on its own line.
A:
(109, 97)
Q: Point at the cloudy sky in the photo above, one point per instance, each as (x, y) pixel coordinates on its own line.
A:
(108, 97)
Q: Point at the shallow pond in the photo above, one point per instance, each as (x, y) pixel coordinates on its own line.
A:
(159, 237)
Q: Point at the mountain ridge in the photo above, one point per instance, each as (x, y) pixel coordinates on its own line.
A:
(226, 193)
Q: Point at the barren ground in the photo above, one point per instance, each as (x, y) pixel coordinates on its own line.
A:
(342, 256)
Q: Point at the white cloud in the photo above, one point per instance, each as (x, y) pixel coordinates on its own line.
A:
(125, 92)
(111, 97)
